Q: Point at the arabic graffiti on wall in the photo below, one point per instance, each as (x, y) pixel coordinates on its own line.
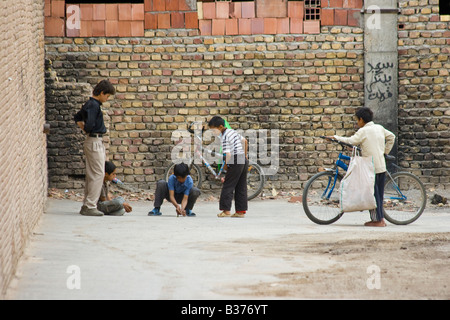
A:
(379, 83)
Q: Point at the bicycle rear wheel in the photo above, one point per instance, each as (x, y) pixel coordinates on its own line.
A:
(404, 198)
(255, 180)
(195, 173)
(321, 198)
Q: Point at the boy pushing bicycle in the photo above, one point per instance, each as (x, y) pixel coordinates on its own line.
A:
(375, 141)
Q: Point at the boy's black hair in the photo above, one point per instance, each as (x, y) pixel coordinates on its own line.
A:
(181, 170)
(104, 86)
(364, 113)
(216, 122)
(109, 167)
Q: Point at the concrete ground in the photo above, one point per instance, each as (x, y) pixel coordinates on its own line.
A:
(272, 253)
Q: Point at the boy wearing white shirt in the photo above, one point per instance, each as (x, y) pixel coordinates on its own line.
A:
(375, 141)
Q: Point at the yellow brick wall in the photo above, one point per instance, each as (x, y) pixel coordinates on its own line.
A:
(23, 163)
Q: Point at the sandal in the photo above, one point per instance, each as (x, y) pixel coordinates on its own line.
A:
(223, 214)
(238, 215)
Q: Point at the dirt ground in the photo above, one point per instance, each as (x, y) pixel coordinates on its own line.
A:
(405, 266)
(364, 264)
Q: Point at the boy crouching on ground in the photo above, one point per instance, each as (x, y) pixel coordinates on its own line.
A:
(179, 191)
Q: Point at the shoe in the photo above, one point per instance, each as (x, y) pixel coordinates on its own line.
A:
(223, 214)
(85, 211)
(240, 214)
(189, 213)
(120, 212)
(155, 212)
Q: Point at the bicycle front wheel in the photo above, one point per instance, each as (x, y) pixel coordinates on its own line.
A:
(404, 198)
(321, 197)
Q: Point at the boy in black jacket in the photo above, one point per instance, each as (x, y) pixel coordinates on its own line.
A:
(90, 120)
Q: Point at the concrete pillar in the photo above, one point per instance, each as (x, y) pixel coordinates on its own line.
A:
(381, 61)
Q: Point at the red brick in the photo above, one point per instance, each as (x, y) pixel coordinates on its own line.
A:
(340, 17)
(183, 6)
(112, 11)
(327, 17)
(112, 28)
(324, 3)
(296, 9)
(222, 10)
(231, 27)
(159, 5)
(137, 11)
(245, 26)
(48, 8)
(270, 25)
(87, 11)
(282, 25)
(172, 5)
(54, 27)
(58, 8)
(258, 26)
(353, 17)
(236, 10)
(209, 10)
(191, 20)
(353, 4)
(73, 33)
(124, 28)
(205, 27)
(98, 28)
(163, 20)
(99, 11)
(151, 21)
(148, 5)
(177, 20)
(218, 27)
(296, 25)
(125, 12)
(86, 28)
(311, 27)
(137, 28)
(336, 3)
(248, 10)
(271, 8)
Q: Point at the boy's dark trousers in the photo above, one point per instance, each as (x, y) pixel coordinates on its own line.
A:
(162, 192)
(235, 183)
(377, 214)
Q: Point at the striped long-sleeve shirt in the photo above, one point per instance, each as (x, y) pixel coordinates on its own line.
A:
(231, 144)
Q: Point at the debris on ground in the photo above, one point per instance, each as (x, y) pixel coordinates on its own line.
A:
(438, 200)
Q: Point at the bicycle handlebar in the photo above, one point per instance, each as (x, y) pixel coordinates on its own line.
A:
(343, 144)
(191, 130)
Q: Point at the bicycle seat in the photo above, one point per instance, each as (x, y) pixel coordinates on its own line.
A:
(389, 158)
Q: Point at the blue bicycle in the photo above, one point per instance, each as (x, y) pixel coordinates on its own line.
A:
(404, 194)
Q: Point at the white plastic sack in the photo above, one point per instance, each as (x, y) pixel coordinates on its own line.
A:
(357, 187)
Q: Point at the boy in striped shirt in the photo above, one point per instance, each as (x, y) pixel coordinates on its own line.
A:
(236, 164)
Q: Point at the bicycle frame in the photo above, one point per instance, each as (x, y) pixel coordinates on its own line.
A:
(396, 187)
(198, 152)
(338, 164)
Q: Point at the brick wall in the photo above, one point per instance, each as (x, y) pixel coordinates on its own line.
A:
(303, 85)
(424, 91)
(23, 163)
